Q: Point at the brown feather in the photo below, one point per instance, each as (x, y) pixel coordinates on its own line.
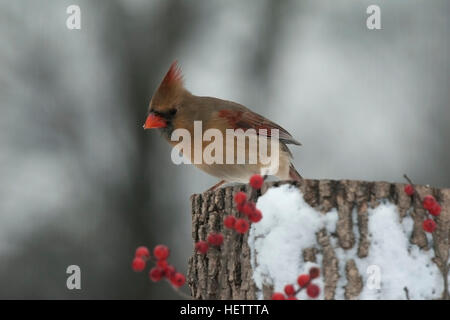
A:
(244, 119)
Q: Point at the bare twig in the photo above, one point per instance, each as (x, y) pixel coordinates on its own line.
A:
(406, 293)
(182, 294)
(412, 183)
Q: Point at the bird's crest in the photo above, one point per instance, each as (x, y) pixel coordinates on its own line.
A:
(173, 77)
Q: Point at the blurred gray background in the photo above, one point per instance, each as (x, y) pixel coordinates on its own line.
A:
(82, 183)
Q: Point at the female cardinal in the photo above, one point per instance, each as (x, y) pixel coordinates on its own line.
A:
(173, 107)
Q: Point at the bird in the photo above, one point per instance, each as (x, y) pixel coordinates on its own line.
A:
(173, 107)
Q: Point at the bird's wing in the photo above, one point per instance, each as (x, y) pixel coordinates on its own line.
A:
(243, 118)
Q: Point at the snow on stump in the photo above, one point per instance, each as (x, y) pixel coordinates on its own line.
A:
(366, 237)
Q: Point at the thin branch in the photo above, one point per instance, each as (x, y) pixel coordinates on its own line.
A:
(415, 191)
(181, 293)
(406, 293)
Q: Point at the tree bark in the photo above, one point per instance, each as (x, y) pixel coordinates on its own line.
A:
(226, 272)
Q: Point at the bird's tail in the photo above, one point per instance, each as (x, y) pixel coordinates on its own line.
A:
(293, 174)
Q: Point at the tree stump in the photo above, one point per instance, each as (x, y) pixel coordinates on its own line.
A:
(226, 272)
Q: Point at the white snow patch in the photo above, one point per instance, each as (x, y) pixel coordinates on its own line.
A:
(401, 264)
(289, 225)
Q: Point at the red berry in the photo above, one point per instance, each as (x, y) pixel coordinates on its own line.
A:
(201, 247)
(215, 239)
(409, 190)
(178, 279)
(156, 274)
(435, 209)
(314, 272)
(161, 252)
(241, 226)
(240, 198)
(255, 216)
(240, 207)
(169, 271)
(162, 264)
(229, 221)
(292, 298)
(303, 280)
(313, 291)
(142, 252)
(289, 290)
(256, 181)
(138, 264)
(428, 202)
(278, 296)
(429, 225)
(248, 208)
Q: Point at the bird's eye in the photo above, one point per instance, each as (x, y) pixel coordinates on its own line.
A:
(172, 111)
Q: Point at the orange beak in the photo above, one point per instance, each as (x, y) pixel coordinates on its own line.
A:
(154, 121)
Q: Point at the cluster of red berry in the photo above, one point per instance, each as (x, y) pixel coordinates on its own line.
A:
(304, 281)
(240, 225)
(430, 204)
(162, 268)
